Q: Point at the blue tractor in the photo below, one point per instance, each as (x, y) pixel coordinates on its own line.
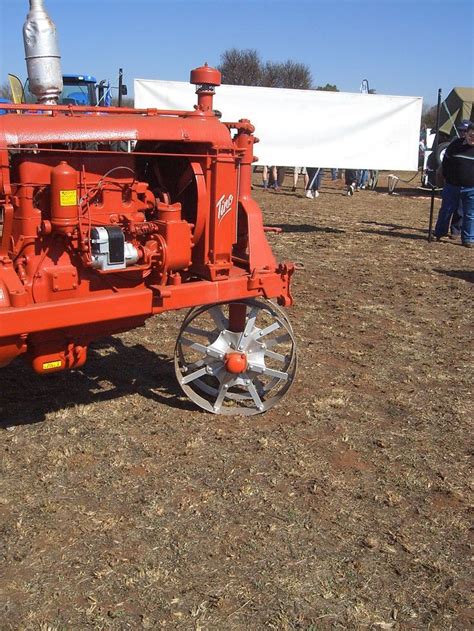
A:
(78, 89)
(81, 90)
(2, 100)
(84, 90)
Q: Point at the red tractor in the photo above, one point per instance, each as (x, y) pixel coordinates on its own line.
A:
(95, 240)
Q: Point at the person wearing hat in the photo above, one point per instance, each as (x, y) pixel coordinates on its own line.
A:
(458, 191)
(456, 221)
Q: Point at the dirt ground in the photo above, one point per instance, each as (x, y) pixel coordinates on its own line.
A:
(345, 507)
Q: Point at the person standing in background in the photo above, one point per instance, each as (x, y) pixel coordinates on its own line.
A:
(456, 221)
(314, 182)
(299, 171)
(269, 177)
(350, 177)
(458, 172)
(362, 177)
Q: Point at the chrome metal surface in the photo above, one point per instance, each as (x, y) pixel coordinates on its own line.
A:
(204, 343)
(43, 62)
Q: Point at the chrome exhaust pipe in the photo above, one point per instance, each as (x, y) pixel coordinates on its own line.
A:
(43, 62)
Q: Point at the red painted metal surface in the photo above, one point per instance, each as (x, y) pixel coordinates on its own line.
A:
(96, 239)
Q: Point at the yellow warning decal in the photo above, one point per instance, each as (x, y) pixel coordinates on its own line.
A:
(68, 198)
(54, 364)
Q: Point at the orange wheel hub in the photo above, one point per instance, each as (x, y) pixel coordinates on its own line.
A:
(235, 362)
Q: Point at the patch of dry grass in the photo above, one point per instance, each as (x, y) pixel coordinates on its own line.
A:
(346, 507)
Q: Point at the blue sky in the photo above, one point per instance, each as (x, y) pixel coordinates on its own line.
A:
(403, 47)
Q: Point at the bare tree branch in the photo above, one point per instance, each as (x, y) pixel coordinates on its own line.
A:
(244, 67)
(5, 91)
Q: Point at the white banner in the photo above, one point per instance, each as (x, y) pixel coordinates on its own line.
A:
(309, 127)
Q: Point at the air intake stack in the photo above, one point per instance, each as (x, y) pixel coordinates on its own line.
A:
(43, 61)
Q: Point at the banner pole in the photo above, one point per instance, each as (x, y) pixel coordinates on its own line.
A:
(433, 186)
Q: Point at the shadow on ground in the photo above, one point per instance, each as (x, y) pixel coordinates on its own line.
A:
(397, 234)
(392, 226)
(304, 227)
(407, 192)
(466, 275)
(113, 370)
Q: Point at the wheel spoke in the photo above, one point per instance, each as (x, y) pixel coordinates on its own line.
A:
(218, 317)
(225, 385)
(268, 329)
(210, 335)
(197, 346)
(260, 388)
(195, 365)
(278, 340)
(277, 356)
(201, 348)
(269, 372)
(194, 375)
(249, 326)
(255, 396)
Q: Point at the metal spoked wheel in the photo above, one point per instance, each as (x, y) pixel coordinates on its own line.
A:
(236, 358)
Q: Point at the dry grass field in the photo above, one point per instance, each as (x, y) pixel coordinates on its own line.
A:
(122, 506)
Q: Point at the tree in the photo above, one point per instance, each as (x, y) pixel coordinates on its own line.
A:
(329, 87)
(244, 67)
(428, 115)
(271, 75)
(293, 74)
(241, 67)
(289, 74)
(5, 91)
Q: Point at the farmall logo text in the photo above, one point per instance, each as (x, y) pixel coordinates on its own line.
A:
(224, 205)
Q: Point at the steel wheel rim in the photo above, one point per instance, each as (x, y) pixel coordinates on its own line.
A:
(267, 341)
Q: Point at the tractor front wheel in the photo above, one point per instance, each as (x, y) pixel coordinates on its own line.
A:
(236, 358)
